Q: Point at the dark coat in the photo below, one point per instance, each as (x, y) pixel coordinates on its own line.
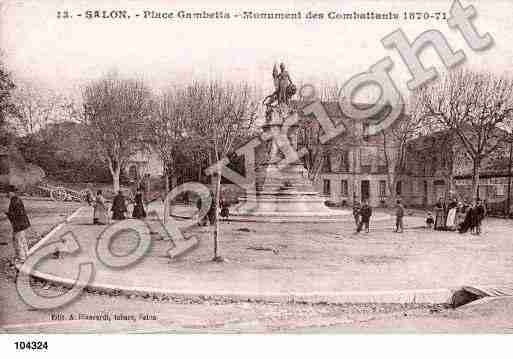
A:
(119, 207)
(211, 214)
(366, 212)
(470, 221)
(480, 212)
(139, 211)
(17, 215)
(225, 209)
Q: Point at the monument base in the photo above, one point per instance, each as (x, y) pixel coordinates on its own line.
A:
(283, 193)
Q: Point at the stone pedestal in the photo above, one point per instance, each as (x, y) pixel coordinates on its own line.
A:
(282, 191)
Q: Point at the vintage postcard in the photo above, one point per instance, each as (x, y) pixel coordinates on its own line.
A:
(255, 167)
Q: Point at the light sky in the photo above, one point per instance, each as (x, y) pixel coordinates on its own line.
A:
(63, 54)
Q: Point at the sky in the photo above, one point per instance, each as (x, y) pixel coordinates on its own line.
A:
(64, 54)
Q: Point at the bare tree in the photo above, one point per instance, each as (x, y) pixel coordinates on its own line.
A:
(309, 134)
(395, 140)
(37, 107)
(115, 110)
(219, 114)
(8, 108)
(472, 105)
(167, 131)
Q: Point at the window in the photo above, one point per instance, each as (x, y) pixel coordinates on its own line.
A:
(326, 187)
(344, 160)
(382, 165)
(366, 156)
(326, 163)
(344, 191)
(133, 173)
(4, 165)
(382, 188)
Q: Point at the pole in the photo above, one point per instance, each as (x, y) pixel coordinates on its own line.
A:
(508, 200)
(166, 193)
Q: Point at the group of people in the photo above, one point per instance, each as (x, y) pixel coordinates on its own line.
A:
(452, 215)
(210, 216)
(363, 213)
(119, 207)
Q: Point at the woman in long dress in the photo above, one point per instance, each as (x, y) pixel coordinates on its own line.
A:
(139, 211)
(439, 216)
(100, 215)
(451, 215)
(460, 215)
(119, 207)
(470, 220)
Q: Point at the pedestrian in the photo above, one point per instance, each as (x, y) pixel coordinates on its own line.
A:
(100, 209)
(430, 220)
(439, 215)
(225, 208)
(365, 215)
(211, 214)
(139, 211)
(399, 214)
(480, 213)
(119, 207)
(20, 223)
(89, 197)
(356, 214)
(470, 220)
(451, 215)
(202, 221)
(460, 215)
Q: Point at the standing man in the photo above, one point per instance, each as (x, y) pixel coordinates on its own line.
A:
(366, 213)
(480, 213)
(399, 214)
(20, 223)
(356, 214)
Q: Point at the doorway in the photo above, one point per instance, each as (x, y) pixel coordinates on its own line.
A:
(365, 190)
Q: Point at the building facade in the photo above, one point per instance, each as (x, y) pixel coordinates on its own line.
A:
(434, 167)
(355, 170)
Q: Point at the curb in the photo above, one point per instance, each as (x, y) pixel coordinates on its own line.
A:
(425, 296)
(47, 236)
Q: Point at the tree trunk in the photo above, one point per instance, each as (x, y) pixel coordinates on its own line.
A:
(166, 193)
(392, 184)
(510, 164)
(216, 179)
(115, 172)
(475, 178)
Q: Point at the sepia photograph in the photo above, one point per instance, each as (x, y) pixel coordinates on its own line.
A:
(258, 167)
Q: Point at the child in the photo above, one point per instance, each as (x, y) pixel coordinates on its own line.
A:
(430, 220)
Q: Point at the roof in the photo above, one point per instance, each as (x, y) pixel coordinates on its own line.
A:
(334, 110)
